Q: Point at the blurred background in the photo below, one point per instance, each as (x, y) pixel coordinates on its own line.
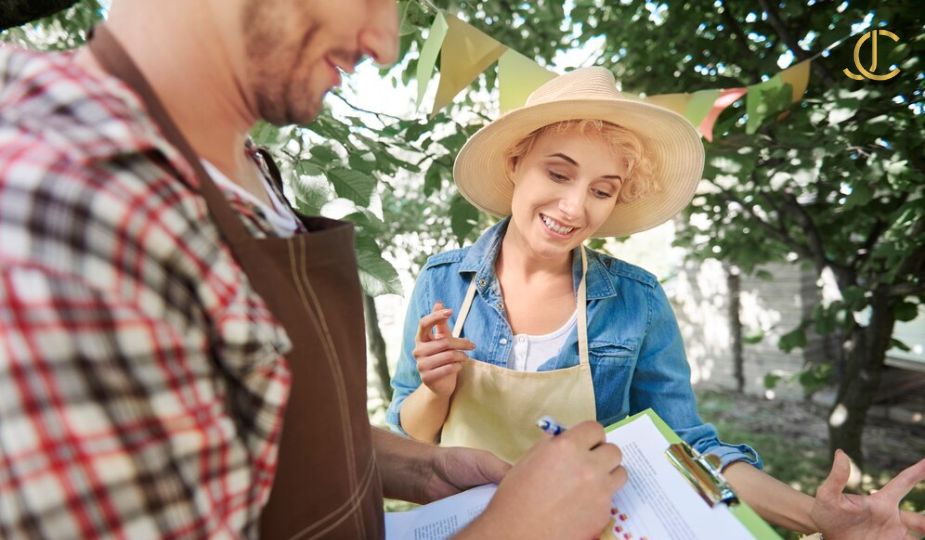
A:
(797, 274)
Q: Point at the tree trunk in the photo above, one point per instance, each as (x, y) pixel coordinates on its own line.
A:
(858, 386)
(376, 344)
(734, 286)
(17, 12)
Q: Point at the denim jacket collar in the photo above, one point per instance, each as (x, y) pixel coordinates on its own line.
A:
(481, 256)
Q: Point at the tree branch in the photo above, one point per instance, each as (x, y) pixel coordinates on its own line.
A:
(736, 28)
(777, 23)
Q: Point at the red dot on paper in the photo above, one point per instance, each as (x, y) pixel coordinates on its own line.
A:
(623, 517)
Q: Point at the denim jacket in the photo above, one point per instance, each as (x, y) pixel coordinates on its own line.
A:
(636, 353)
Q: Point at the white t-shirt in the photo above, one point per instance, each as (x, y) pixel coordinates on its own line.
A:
(281, 217)
(531, 352)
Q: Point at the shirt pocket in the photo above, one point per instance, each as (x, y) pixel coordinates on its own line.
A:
(614, 353)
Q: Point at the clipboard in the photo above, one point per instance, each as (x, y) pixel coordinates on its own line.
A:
(703, 475)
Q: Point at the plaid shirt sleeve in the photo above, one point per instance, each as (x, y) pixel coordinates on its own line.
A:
(142, 383)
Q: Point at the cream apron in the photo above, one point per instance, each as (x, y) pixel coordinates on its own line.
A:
(496, 409)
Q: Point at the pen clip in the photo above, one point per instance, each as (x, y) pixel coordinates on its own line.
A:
(703, 473)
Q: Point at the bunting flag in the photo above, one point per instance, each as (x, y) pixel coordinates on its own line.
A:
(517, 77)
(700, 105)
(429, 54)
(726, 98)
(797, 76)
(466, 52)
(672, 102)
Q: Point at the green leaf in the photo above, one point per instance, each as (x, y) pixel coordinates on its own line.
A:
(771, 379)
(906, 311)
(265, 134)
(323, 154)
(310, 196)
(434, 178)
(351, 184)
(816, 377)
(463, 218)
(753, 336)
(377, 276)
(358, 162)
(793, 339)
(308, 168)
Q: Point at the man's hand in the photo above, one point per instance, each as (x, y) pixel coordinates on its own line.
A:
(420, 472)
(848, 517)
(561, 489)
(458, 469)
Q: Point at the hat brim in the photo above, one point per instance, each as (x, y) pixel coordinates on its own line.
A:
(673, 144)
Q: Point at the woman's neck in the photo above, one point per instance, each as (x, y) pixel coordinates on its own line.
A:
(517, 261)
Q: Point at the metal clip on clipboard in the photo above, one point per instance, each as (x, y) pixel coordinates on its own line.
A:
(703, 473)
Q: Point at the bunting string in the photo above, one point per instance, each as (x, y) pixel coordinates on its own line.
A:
(465, 52)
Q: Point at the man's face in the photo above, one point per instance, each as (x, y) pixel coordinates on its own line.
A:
(296, 49)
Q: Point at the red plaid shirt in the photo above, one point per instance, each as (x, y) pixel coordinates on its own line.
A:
(142, 383)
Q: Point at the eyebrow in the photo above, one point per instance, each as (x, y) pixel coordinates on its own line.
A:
(560, 155)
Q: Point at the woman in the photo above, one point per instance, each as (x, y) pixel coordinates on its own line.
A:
(551, 327)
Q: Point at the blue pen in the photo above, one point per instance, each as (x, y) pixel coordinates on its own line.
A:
(549, 425)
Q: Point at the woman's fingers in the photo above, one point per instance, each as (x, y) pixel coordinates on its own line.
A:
(427, 323)
(440, 372)
(423, 350)
(441, 359)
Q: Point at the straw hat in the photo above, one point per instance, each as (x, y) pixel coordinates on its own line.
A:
(588, 93)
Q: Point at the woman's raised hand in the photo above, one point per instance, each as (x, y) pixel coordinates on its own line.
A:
(438, 354)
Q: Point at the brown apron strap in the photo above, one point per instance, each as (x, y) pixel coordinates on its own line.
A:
(112, 56)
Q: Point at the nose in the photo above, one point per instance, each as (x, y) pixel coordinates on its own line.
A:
(573, 201)
(379, 40)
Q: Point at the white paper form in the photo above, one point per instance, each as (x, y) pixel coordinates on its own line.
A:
(440, 519)
(657, 502)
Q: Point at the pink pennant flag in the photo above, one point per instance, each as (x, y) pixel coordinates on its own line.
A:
(726, 98)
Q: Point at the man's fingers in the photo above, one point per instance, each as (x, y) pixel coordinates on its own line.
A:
(618, 478)
(834, 485)
(427, 323)
(586, 435)
(902, 483)
(912, 521)
(492, 467)
(607, 457)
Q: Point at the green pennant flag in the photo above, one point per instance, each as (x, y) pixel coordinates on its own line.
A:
(429, 54)
(518, 76)
(764, 99)
(700, 105)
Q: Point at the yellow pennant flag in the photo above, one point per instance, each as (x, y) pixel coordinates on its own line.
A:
(466, 52)
(798, 78)
(429, 54)
(673, 102)
(518, 76)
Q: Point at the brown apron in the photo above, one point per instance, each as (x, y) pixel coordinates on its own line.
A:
(327, 484)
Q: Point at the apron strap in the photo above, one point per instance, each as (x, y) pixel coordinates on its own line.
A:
(582, 307)
(583, 310)
(464, 310)
(115, 60)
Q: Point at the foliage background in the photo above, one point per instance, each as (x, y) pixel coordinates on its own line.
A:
(836, 183)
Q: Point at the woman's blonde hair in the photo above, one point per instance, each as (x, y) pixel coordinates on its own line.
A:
(639, 180)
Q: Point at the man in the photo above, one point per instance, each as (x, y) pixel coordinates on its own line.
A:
(150, 345)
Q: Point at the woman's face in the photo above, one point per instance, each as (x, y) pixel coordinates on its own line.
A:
(565, 187)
